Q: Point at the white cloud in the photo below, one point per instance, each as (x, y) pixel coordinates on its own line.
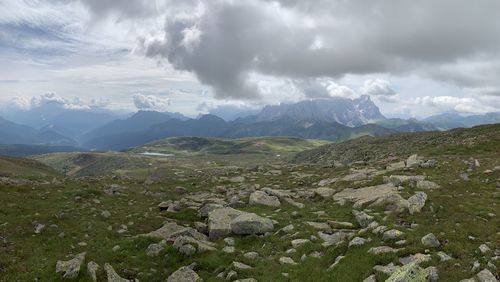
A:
(337, 90)
(377, 87)
(459, 104)
(151, 102)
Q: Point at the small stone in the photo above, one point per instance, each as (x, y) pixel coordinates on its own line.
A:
(184, 274)
(229, 241)
(39, 228)
(251, 255)
(357, 241)
(484, 249)
(241, 266)
(299, 242)
(443, 256)
(106, 214)
(116, 248)
(287, 260)
(430, 240)
(228, 249)
(392, 234)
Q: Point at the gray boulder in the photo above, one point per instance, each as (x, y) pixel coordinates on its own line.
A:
(71, 268)
(250, 223)
(262, 198)
(184, 274)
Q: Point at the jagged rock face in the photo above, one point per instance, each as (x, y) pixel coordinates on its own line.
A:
(345, 111)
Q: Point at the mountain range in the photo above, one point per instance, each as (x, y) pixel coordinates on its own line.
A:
(333, 119)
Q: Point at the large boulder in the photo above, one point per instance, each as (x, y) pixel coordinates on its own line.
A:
(71, 268)
(184, 274)
(325, 193)
(366, 195)
(262, 198)
(219, 222)
(250, 223)
(171, 230)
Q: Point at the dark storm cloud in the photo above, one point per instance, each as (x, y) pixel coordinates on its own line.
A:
(225, 42)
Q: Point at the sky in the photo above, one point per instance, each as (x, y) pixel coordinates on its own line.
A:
(414, 58)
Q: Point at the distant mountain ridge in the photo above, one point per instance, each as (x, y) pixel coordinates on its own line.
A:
(454, 120)
(349, 112)
(12, 133)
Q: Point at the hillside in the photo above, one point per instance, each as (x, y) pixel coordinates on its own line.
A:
(251, 145)
(485, 137)
(25, 168)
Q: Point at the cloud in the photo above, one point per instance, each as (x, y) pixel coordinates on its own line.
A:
(151, 102)
(51, 100)
(235, 38)
(336, 90)
(459, 104)
(377, 87)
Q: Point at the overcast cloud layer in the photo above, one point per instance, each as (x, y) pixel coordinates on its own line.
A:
(414, 58)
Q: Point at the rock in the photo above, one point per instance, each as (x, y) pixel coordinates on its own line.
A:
(229, 241)
(392, 234)
(332, 239)
(246, 280)
(392, 202)
(237, 179)
(113, 189)
(207, 208)
(371, 278)
(228, 249)
(171, 230)
(362, 218)
(427, 185)
(39, 228)
(357, 241)
(187, 250)
(319, 225)
(250, 224)
(291, 202)
(241, 266)
(417, 202)
(106, 214)
(112, 275)
(398, 180)
(486, 276)
(71, 268)
(416, 258)
(429, 164)
(262, 198)
(386, 269)
(414, 161)
(219, 222)
(484, 249)
(382, 250)
(409, 273)
(433, 274)
(325, 193)
(92, 268)
(326, 182)
(336, 262)
(251, 255)
(299, 242)
(186, 244)
(184, 274)
(443, 256)
(231, 275)
(289, 228)
(365, 195)
(287, 260)
(340, 225)
(430, 240)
